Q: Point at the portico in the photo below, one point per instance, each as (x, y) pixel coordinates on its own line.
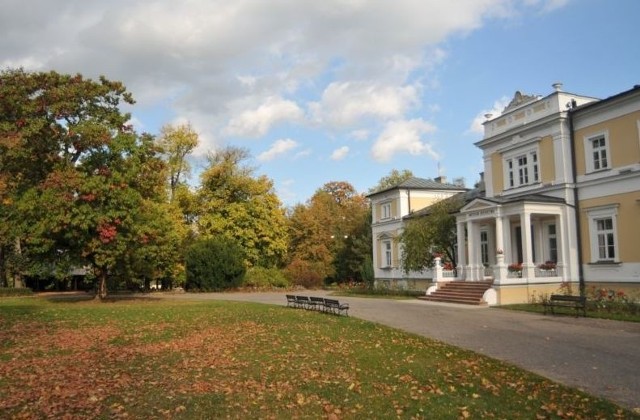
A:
(522, 241)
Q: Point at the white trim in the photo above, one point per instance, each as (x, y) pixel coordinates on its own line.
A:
(387, 253)
(385, 209)
(588, 152)
(521, 173)
(595, 214)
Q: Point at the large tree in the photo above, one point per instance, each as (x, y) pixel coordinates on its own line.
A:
(236, 204)
(75, 175)
(177, 143)
(330, 234)
(394, 178)
(432, 230)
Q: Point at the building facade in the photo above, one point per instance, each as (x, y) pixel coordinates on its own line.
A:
(562, 197)
(388, 207)
(558, 206)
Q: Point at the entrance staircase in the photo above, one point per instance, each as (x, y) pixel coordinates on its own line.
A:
(464, 292)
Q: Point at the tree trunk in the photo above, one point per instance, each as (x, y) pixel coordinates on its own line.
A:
(101, 293)
(17, 275)
(3, 271)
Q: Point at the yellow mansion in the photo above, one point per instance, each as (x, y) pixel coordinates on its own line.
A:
(561, 198)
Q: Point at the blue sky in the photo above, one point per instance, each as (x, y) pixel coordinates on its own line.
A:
(338, 90)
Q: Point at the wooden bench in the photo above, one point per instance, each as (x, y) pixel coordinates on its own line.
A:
(291, 301)
(303, 302)
(325, 305)
(335, 307)
(579, 303)
(317, 303)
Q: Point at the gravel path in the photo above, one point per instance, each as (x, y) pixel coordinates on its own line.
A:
(601, 357)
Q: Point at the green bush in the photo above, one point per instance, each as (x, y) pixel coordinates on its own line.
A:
(304, 273)
(12, 291)
(214, 265)
(260, 277)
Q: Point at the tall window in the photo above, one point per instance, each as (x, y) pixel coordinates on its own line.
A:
(599, 150)
(510, 169)
(386, 247)
(603, 234)
(522, 169)
(553, 243)
(484, 247)
(386, 210)
(597, 154)
(606, 239)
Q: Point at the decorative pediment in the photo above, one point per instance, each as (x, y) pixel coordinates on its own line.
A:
(477, 205)
(518, 100)
(385, 235)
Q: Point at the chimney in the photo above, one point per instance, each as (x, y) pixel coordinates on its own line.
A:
(557, 86)
(441, 179)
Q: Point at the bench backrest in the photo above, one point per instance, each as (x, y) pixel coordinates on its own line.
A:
(331, 302)
(317, 299)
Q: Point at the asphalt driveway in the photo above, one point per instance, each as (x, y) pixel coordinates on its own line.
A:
(601, 357)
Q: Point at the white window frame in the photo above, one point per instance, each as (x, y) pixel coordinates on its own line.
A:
(521, 168)
(387, 253)
(484, 246)
(590, 160)
(385, 210)
(594, 216)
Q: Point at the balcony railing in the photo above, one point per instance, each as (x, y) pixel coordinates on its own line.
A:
(548, 272)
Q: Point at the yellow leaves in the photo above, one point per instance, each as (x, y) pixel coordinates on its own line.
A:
(300, 399)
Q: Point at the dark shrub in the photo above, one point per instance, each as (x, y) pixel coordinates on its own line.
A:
(214, 265)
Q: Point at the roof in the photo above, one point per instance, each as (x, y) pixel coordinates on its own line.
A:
(635, 89)
(415, 183)
(468, 196)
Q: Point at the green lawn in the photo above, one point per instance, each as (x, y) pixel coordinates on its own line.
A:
(157, 359)
(613, 311)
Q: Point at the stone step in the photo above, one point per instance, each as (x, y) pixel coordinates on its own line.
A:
(469, 293)
(463, 301)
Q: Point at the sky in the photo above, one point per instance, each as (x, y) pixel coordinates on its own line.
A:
(331, 90)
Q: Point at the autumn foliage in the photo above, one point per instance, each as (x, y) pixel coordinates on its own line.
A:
(168, 359)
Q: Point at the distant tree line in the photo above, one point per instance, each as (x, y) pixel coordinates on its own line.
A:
(86, 201)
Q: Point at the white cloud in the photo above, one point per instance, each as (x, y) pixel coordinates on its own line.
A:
(343, 104)
(340, 153)
(240, 68)
(404, 136)
(360, 134)
(476, 126)
(278, 148)
(546, 6)
(257, 122)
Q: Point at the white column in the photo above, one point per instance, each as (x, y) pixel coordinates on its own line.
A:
(500, 271)
(462, 258)
(470, 273)
(562, 245)
(437, 270)
(527, 265)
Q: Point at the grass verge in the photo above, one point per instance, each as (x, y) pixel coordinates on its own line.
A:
(601, 313)
(151, 359)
